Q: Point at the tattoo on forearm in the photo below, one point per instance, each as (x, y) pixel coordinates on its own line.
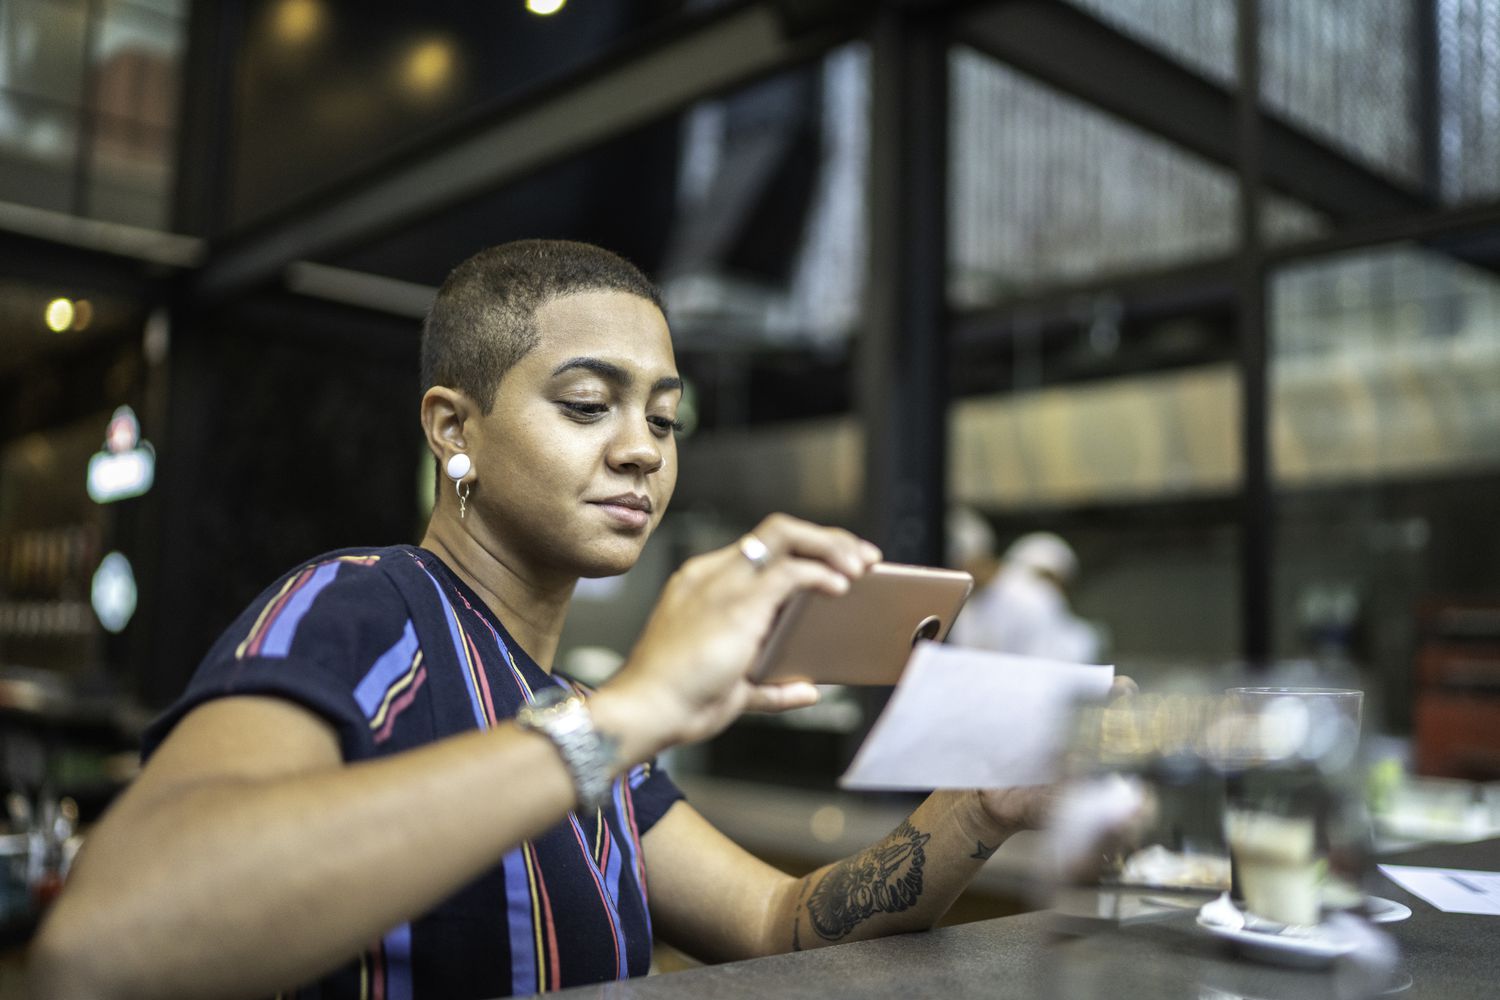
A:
(983, 853)
(886, 878)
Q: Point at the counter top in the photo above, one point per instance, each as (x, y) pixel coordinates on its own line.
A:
(1442, 955)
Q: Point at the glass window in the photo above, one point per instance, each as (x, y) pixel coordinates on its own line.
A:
(1046, 190)
(1385, 403)
(131, 173)
(38, 152)
(1347, 73)
(41, 49)
(769, 240)
(136, 60)
(120, 102)
(1469, 95)
(1386, 364)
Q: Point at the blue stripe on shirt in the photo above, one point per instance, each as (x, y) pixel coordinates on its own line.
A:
(523, 957)
(398, 963)
(279, 641)
(393, 663)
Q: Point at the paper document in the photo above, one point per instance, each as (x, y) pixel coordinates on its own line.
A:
(966, 718)
(1452, 890)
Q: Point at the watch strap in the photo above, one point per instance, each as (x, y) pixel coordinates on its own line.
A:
(563, 717)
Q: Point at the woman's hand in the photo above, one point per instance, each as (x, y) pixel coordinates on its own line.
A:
(688, 676)
(1033, 807)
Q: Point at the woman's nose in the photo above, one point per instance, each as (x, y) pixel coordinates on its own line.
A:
(637, 449)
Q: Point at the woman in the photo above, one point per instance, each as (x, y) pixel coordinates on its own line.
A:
(345, 796)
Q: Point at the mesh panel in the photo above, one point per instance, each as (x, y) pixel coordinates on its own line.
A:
(1047, 190)
(1469, 88)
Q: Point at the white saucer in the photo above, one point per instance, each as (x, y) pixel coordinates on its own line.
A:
(1385, 911)
(1282, 944)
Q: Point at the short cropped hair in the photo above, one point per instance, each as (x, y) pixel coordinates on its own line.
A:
(483, 319)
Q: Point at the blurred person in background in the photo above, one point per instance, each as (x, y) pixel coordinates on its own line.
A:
(374, 783)
(1020, 600)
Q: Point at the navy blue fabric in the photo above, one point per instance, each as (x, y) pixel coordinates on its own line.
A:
(372, 640)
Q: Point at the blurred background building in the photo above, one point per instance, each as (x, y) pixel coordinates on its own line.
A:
(1209, 287)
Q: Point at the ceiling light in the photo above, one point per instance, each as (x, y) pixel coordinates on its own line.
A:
(545, 7)
(59, 314)
(428, 68)
(297, 22)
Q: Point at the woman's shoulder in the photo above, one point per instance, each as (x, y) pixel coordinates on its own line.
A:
(349, 582)
(371, 565)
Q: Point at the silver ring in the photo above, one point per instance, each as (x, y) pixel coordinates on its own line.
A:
(756, 551)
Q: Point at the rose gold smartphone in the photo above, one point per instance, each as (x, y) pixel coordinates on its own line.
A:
(865, 635)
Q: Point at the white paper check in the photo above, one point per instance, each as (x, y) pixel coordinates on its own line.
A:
(966, 718)
(1452, 890)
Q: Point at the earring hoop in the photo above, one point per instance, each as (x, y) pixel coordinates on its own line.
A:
(462, 489)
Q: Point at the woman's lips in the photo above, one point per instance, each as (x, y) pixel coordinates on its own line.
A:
(630, 517)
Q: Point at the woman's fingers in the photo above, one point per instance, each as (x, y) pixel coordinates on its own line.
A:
(781, 697)
(783, 535)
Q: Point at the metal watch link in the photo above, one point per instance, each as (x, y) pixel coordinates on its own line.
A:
(563, 717)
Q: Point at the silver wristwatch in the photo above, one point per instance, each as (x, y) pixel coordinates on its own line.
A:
(563, 717)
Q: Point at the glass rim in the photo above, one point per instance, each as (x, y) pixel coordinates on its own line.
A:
(1292, 690)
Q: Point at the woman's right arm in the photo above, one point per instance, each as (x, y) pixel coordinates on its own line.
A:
(248, 857)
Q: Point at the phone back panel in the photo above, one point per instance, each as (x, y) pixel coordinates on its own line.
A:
(865, 635)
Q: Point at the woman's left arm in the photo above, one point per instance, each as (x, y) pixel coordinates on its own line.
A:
(720, 903)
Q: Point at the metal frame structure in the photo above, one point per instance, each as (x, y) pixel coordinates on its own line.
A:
(902, 369)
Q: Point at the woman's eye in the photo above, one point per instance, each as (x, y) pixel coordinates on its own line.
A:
(665, 424)
(583, 410)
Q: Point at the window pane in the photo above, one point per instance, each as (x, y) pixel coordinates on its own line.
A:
(1385, 402)
(1346, 73)
(41, 49)
(38, 147)
(130, 172)
(1046, 190)
(1469, 87)
(136, 61)
(1385, 364)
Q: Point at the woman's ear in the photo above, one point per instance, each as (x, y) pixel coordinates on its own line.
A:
(445, 411)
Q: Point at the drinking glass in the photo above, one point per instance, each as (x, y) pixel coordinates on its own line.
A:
(1292, 800)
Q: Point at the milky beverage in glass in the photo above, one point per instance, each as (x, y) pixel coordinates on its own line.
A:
(1276, 865)
(1281, 805)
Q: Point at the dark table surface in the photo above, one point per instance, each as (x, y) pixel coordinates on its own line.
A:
(1450, 956)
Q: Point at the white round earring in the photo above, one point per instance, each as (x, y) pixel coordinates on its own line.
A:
(458, 466)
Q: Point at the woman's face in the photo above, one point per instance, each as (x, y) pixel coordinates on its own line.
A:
(577, 460)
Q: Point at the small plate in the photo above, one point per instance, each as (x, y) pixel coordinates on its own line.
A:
(1281, 944)
(1379, 910)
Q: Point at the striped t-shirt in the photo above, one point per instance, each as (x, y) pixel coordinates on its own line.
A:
(395, 651)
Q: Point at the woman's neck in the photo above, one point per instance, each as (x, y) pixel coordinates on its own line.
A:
(533, 613)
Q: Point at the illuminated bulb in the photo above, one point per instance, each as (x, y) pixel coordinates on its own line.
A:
(545, 7)
(59, 315)
(428, 68)
(297, 22)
